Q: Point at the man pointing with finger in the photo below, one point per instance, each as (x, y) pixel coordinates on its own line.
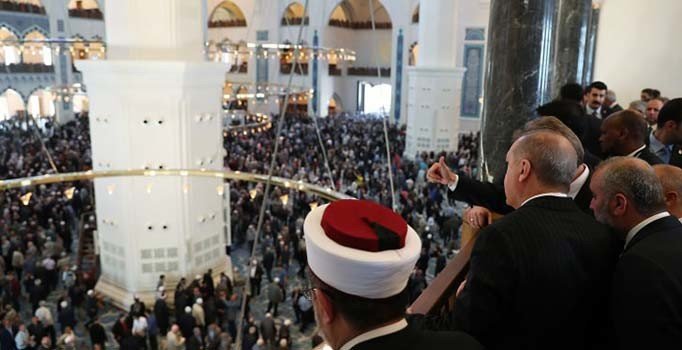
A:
(540, 276)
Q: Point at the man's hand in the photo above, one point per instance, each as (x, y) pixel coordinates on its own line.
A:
(440, 173)
(460, 288)
(478, 217)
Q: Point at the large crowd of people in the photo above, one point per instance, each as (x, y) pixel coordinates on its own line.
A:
(47, 302)
(38, 230)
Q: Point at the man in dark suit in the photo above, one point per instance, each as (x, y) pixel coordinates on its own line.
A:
(594, 97)
(610, 103)
(539, 277)
(676, 156)
(622, 134)
(360, 257)
(571, 113)
(646, 305)
(665, 141)
(492, 196)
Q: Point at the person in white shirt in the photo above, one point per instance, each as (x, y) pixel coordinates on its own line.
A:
(139, 330)
(44, 314)
(198, 313)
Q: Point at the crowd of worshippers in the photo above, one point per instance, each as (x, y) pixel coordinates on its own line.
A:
(38, 238)
(37, 233)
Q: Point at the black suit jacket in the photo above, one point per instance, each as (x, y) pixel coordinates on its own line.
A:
(539, 278)
(607, 111)
(411, 338)
(590, 135)
(648, 156)
(676, 156)
(492, 196)
(485, 194)
(647, 289)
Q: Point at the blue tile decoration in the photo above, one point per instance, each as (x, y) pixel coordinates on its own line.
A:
(262, 35)
(472, 84)
(261, 66)
(399, 77)
(474, 34)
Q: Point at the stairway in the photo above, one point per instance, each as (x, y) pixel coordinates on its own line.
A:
(87, 260)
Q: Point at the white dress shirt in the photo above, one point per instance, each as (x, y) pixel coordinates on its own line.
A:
(375, 333)
(578, 183)
(635, 230)
(548, 194)
(636, 152)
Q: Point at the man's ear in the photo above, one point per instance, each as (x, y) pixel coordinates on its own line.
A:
(671, 197)
(618, 205)
(325, 309)
(525, 168)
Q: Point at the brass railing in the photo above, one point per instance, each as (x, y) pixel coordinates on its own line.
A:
(323, 192)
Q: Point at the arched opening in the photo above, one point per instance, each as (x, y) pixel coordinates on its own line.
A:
(28, 6)
(93, 49)
(335, 106)
(227, 14)
(415, 15)
(10, 53)
(413, 55)
(85, 9)
(334, 68)
(294, 15)
(286, 60)
(357, 15)
(234, 55)
(35, 50)
(231, 100)
(41, 104)
(298, 105)
(374, 99)
(11, 105)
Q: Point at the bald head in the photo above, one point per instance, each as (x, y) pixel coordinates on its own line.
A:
(622, 133)
(634, 179)
(551, 155)
(671, 181)
(553, 124)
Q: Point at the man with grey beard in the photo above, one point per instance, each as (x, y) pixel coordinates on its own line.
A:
(646, 305)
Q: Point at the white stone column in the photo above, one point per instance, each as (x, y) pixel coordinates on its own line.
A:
(435, 83)
(156, 104)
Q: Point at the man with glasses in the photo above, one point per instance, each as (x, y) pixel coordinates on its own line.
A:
(360, 257)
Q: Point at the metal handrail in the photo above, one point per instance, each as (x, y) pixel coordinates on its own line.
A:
(323, 192)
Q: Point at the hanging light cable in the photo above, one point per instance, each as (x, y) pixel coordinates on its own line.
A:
(385, 115)
(266, 192)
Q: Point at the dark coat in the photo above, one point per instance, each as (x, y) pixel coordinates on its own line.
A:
(187, 324)
(648, 156)
(162, 315)
(538, 275)
(646, 307)
(410, 338)
(676, 156)
(7, 340)
(492, 196)
(590, 136)
(97, 334)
